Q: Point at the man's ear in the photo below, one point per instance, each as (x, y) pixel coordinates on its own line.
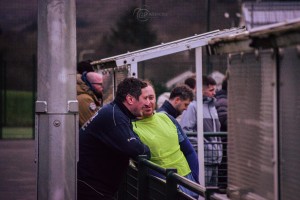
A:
(176, 100)
(129, 99)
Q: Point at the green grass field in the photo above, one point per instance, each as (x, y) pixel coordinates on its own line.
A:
(19, 108)
(17, 133)
(18, 115)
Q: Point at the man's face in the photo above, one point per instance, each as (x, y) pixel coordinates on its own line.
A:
(98, 85)
(209, 91)
(137, 106)
(149, 95)
(181, 105)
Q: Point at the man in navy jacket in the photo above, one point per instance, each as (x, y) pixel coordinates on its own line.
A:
(179, 100)
(107, 141)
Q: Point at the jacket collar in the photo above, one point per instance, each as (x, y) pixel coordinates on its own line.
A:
(209, 100)
(170, 109)
(124, 109)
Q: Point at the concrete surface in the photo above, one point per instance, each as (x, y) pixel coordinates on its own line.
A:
(17, 170)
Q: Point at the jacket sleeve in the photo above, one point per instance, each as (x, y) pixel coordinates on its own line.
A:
(188, 150)
(188, 120)
(126, 141)
(117, 134)
(191, 157)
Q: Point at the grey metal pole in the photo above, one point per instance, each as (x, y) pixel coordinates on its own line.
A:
(1, 95)
(56, 121)
(34, 88)
(199, 97)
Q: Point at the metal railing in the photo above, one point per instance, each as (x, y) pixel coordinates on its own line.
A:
(139, 183)
(221, 167)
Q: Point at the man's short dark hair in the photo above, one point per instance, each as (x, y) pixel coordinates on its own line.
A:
(208, 80)
(131, 86)
(184, 92)
(191, 82)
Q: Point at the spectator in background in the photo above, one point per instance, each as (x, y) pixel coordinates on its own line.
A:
(89, 95)
(212, 145)
(221, 106)
(88, 101)
(180, 98)
(162, 98)
(107, 141)
(84, 66)
(169, 146)
(218, 77)
(191, 82)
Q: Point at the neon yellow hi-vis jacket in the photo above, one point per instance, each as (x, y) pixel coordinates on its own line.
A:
(160, 134)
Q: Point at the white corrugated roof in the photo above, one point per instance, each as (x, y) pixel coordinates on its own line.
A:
(264, 13)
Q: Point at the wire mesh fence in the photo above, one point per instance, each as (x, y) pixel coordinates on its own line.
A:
(215, 158)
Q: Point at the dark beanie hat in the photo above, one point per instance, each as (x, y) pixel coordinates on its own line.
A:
(84, 66)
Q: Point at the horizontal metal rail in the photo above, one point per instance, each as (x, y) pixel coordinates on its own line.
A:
(207, 134)
(143, 184)
(165, 49)
(199, 189)
(172, 178)
(211, 149)
(153, 166)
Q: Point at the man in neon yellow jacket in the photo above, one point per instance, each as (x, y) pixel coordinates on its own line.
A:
(169, 146)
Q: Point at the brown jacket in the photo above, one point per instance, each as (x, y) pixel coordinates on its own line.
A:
(87, 101)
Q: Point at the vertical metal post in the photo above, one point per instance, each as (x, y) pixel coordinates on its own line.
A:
(200, 115)
(133, 70)
(207, 15)
(208, 67)
(171, 185)
(142, 64)
(1, 95)
(142, 179)
(56, 121)
(276, 134)
(4, 97)
(34, 84)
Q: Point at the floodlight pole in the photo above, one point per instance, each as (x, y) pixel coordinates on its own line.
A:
(56, 123)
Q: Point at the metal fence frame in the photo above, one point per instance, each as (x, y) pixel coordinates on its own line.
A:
(140, 184)
(222, 167)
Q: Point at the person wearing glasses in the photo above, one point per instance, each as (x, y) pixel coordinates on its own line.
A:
(89, 95)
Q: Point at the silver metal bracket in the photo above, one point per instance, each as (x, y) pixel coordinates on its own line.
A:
(73, 106)
(41, 107)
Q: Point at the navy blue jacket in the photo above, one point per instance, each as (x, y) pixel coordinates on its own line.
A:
(168, 108)
(106, 142)
(221, 106)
